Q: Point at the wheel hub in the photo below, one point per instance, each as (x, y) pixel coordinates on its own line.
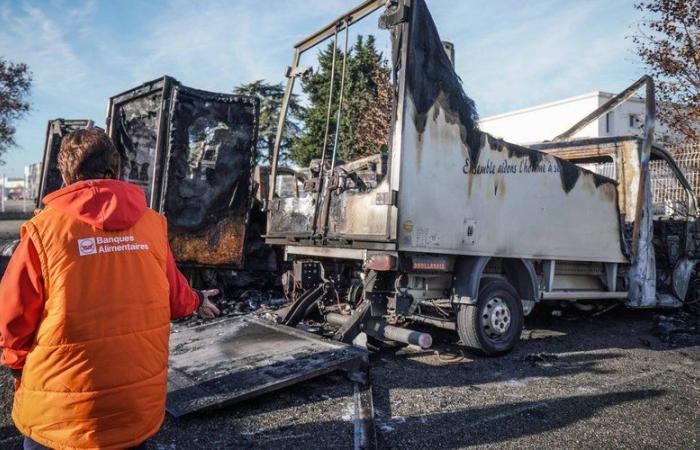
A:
(496, 318)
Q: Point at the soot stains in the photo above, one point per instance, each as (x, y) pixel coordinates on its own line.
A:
(211, 141)
(431, 80)
(569, 174)
(513, 150)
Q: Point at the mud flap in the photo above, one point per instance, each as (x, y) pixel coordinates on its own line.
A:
(239, 358)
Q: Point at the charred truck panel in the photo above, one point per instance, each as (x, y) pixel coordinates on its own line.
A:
(454, 228)
(192, 153)
(137, 124)
(207, 182)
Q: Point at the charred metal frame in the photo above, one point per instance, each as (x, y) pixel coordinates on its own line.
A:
(165, 85)
(56, 127)
(343, 22)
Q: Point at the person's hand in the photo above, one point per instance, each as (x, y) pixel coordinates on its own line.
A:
(16, 377)
(208, 309)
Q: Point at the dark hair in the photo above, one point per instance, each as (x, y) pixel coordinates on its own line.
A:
(88, 154)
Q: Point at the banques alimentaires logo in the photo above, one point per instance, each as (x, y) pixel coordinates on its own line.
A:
(109, 244)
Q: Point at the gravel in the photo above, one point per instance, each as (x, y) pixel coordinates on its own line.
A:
(622, 379)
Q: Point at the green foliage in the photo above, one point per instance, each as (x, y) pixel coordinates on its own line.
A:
(366, 106)
(15, 81)
(270, 96)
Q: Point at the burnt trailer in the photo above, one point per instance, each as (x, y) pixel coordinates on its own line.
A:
(192, 152)
(457, 229)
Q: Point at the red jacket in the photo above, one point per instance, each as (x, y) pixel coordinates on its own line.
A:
(106, 205)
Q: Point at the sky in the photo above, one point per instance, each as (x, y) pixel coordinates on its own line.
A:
(510, 54)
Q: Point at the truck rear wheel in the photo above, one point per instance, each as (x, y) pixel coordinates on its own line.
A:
(493, 325)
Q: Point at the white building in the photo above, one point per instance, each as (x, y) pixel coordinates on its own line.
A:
(546, 121)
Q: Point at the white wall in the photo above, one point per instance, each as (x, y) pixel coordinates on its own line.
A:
(544, 122)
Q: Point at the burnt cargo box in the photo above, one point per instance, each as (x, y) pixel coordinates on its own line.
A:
(192, 153)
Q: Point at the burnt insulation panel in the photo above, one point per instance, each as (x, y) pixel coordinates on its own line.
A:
(50, 175)
(206, 190)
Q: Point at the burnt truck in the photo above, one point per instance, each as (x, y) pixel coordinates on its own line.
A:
(192, 152)
(456, 229)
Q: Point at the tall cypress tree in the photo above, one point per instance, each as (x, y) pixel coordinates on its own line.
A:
(366, 106)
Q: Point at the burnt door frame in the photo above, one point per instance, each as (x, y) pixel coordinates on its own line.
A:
(165, 85)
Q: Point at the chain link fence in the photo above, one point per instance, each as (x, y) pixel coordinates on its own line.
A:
(669, 196)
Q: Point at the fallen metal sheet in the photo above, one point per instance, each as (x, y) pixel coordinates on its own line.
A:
(238, 358)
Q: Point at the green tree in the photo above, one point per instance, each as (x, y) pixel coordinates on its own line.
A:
(366, 114)
(15, 81)
(270, 96)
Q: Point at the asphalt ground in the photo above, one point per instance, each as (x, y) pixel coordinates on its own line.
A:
(623, 379)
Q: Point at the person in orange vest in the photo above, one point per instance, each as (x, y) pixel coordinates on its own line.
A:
(85, 308)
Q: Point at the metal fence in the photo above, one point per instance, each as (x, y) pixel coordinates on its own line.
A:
(669, 196)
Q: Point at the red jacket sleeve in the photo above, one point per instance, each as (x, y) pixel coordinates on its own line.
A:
(21, 304)
(183, 299)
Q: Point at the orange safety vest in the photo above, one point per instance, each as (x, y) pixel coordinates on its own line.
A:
(97, 374)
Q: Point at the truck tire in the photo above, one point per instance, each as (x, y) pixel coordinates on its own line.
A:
(493, 325)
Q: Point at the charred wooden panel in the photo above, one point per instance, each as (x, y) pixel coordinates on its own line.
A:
(207, 182)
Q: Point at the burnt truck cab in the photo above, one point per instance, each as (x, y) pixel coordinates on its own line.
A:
(452, 227)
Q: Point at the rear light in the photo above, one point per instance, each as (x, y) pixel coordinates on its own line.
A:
(381, 263)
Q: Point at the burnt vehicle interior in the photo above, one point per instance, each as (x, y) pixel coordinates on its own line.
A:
(192, 153)
(305, 203)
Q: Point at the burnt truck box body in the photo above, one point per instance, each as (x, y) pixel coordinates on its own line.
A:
(450, 188)
(192, 153)
(447, 188)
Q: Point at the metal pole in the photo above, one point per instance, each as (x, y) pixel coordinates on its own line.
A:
(25, 189)
(330, 105)
(609, 105)
(2, 193)
(280, 128)
(644, 157)
(340, 98)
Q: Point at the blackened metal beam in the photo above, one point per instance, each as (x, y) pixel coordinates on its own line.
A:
(354, 15)
(609, 105)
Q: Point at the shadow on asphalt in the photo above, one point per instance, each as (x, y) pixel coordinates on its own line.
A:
(472, 426)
